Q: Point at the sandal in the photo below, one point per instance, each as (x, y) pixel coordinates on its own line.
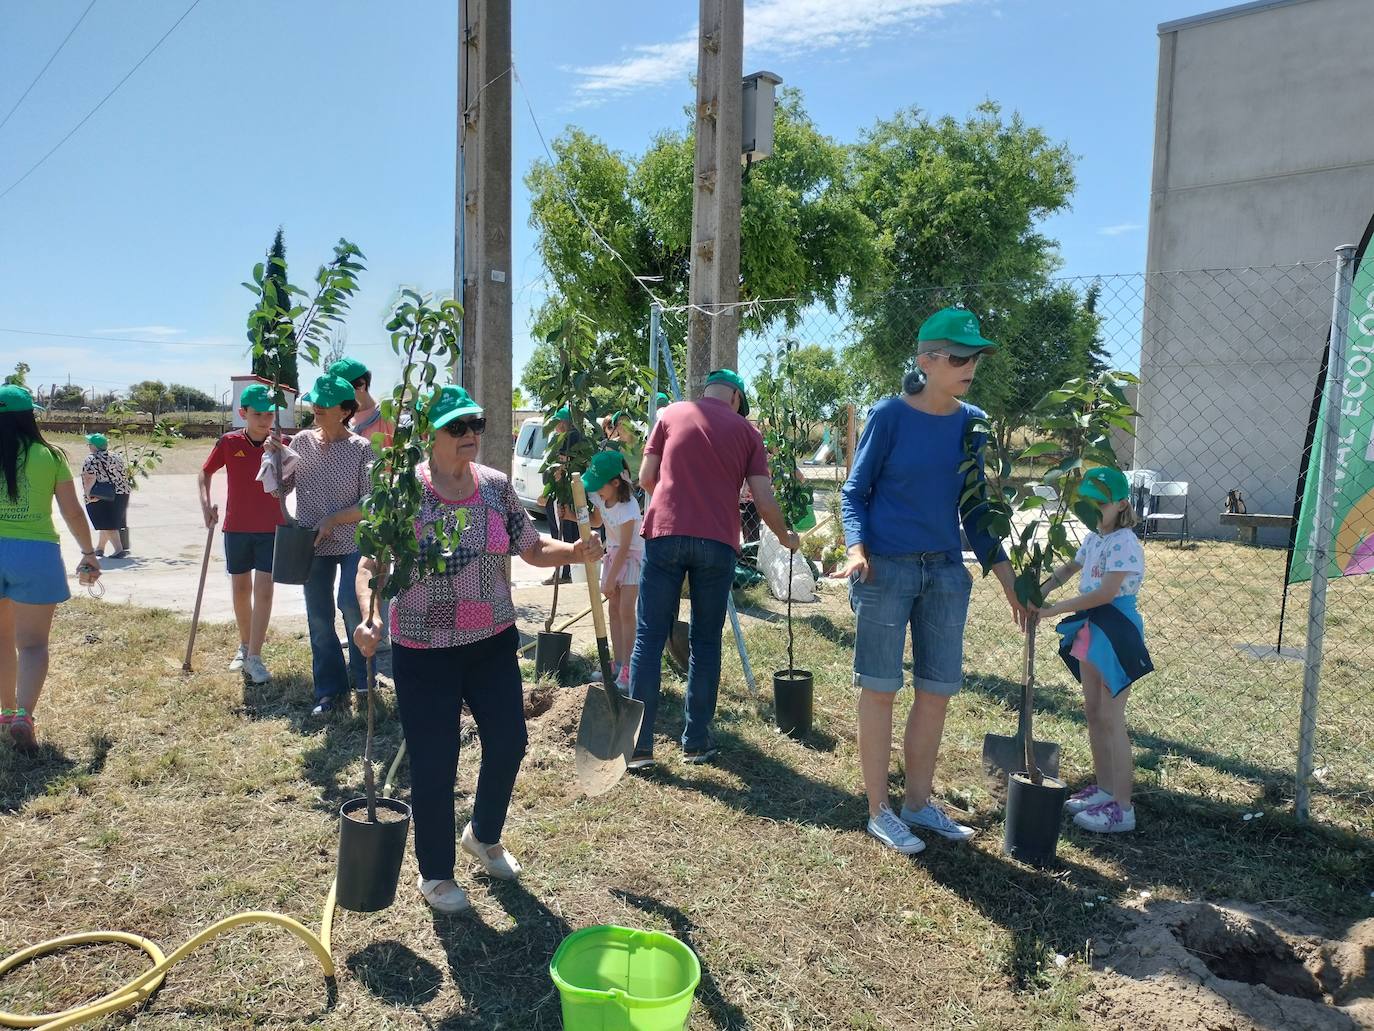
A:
(21, 731)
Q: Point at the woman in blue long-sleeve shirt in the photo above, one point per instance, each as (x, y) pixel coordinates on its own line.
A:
(905, 568)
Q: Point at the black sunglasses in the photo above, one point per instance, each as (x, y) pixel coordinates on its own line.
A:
(958, 361)
(460, 427)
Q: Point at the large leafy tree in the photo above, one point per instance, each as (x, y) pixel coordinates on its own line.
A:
(803, 235)
(958, 207)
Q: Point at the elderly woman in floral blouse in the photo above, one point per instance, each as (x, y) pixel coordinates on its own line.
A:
(453, 640)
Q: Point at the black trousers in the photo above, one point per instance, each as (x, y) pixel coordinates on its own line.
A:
(431, 686)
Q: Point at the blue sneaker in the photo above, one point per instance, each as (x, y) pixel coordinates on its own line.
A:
(933, 818)
(893, 833)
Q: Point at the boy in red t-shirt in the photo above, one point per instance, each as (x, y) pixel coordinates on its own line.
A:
(251, 519)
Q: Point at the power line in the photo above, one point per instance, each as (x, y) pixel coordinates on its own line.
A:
(120, 340)
(37, 164)
(572, 200)
(50, 61)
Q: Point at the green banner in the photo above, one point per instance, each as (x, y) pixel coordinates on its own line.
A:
(1352, 551)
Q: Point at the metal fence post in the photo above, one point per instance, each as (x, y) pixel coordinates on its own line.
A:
(1323, 527)
(655, 314)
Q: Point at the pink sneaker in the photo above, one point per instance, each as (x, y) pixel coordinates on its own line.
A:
(1090, 796)
(1107, 818)
(6, 718)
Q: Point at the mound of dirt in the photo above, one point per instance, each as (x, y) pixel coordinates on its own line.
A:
(551, 715)
(1232, 968)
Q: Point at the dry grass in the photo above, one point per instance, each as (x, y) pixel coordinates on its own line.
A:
(161, 803)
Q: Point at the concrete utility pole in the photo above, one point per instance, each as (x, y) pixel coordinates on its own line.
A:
(482, 263)
(713, 339)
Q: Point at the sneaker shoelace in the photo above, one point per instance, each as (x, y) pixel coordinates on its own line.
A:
(1085, 794)
(1110, 810)
(892, 826)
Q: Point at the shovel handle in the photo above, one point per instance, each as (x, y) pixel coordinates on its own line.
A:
(603, 651)
(200, 594)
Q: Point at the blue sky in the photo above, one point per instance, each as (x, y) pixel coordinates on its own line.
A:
(337, 119)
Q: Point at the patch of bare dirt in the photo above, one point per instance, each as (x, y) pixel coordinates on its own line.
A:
(551, 715)
(1232, 968)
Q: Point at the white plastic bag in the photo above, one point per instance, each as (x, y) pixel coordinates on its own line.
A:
(774, 564)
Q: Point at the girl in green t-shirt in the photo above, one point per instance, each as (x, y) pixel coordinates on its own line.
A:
(32, 580)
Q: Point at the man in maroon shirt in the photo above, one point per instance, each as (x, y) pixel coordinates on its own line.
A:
(251, 518)
(698, 456)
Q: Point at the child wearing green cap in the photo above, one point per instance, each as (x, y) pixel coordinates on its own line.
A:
(607, 483)
(1103, 644)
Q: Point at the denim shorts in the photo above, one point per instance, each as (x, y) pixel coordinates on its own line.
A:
(245, 552)
(927, 592)
(31, 572)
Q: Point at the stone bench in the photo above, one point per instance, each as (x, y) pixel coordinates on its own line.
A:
(1249, 524)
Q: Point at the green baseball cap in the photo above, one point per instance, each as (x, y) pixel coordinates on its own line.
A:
(663, 399)
(605, 467)
(14, 398)
(1105, 484)
(449, 403)
(564, 413)
(955, 330)
(348, 368)
(329, 391)
(731, 378)
(258, 398)
(98, 441)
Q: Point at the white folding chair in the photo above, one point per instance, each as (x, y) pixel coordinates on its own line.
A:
(1167, 489)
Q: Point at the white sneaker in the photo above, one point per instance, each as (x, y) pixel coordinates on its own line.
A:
(933, 818)
(443, 896)
(893, 833)
(504, 867)
(256, 671)
(239, 657)
(1107, 818)
(1090, 796)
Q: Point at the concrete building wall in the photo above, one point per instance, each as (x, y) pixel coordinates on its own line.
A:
(1264, 157)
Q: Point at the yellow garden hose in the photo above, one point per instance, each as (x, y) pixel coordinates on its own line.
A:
(135, 991)
(139, 988)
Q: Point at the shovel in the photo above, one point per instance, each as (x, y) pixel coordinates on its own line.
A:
(1002, 755)
(609, 726)
(200, 594)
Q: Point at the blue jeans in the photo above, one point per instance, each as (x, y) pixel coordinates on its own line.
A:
(924, 595)
(326, 654)
(709, 568)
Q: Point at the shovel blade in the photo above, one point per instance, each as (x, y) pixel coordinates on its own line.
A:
(680, 645)
(606, 738)
(1004, 755)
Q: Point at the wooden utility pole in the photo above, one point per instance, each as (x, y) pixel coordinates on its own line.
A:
(713, 333)
(482, 265)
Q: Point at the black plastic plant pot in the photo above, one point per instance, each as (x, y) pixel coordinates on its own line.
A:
(793, 700)
(1034, 814)
(551, 650)
(370, 854)
(292, 554)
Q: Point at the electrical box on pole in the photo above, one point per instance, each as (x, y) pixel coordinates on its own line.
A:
(756, 139)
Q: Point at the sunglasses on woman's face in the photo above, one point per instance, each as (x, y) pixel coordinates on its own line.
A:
(958, 361)
(460, 427)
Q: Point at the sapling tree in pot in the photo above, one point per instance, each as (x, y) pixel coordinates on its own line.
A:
(287, 323)
(589, 380)
(427, 340)
(1074, 422)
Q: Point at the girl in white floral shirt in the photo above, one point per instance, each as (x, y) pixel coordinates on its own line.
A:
(1103, 644)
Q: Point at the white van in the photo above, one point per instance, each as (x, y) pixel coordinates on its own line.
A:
(525, 476)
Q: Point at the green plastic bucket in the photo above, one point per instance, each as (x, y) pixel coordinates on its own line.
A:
(619, 979)
(806, 522)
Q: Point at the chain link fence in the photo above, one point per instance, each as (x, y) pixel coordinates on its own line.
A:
(1229, 363)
